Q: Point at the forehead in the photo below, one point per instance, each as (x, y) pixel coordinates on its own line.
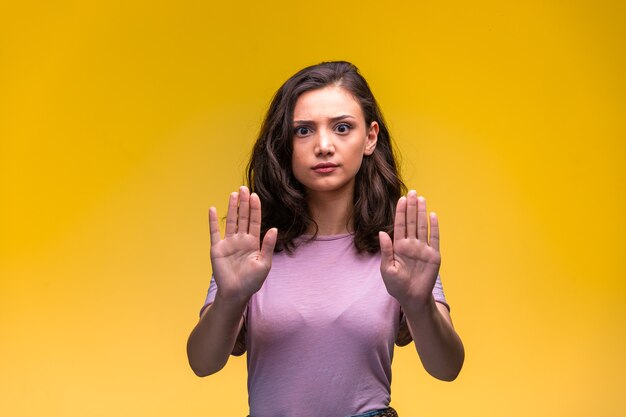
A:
(325, 103)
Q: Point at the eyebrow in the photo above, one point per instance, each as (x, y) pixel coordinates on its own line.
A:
(332, 119)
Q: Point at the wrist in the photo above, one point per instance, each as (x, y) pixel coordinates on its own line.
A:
(419, 305)
(232, 302)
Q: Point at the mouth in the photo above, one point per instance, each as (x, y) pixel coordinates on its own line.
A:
(324, 167)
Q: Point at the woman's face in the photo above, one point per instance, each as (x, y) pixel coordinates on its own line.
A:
(330, 139)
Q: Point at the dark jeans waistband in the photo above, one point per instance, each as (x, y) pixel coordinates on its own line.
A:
(385, 412)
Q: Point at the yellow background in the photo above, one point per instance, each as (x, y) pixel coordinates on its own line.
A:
(122, 122)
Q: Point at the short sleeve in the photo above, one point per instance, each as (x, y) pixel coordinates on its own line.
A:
(404, 336)
(210, 297)
(440, 297)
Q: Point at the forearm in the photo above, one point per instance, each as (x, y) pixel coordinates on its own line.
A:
(212, 340)
(438, 345)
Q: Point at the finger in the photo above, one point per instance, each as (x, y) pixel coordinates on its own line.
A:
(434, 232)
(386, 250)
(214, 226)
(255, 215)
(399, 224)
(422, 219)
(231, 215)
(411, 215)
(269, 243)
(244, 210)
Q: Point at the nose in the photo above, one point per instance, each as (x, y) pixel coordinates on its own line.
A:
(324, 143)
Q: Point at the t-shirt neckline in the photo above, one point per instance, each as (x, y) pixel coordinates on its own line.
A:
(327, 237)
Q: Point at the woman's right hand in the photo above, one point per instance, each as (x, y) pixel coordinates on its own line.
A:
(239, 265)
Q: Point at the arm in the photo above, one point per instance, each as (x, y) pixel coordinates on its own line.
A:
(240, 265)
(213, 339)
(438, 345)
(409, 266)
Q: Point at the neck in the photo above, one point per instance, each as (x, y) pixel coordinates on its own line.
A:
(332, 212)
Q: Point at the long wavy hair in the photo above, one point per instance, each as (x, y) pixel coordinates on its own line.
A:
(269, 172)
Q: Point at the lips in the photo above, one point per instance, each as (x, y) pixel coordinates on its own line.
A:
(324, 167)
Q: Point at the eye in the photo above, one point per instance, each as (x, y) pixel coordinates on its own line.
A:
(343, 128)
(301, 131)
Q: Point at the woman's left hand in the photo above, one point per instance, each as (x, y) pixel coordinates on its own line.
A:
(410, 264)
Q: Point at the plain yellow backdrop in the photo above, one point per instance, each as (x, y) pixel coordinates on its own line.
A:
(122, 122)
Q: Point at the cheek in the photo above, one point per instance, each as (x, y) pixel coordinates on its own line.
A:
(295, 156)
(356, 158)
(358, 164)
(296, 163)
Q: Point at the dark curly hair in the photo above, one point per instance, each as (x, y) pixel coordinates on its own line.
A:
(269, 172)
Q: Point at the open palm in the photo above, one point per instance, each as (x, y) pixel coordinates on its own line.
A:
(240, 263)
(410, 264)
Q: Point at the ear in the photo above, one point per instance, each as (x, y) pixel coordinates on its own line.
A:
(371, 139)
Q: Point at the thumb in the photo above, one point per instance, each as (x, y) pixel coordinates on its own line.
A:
(268, 245)
(386, 250)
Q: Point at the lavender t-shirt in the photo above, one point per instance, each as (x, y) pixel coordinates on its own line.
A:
(320, 333)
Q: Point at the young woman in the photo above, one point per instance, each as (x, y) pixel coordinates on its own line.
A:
(336, 267)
